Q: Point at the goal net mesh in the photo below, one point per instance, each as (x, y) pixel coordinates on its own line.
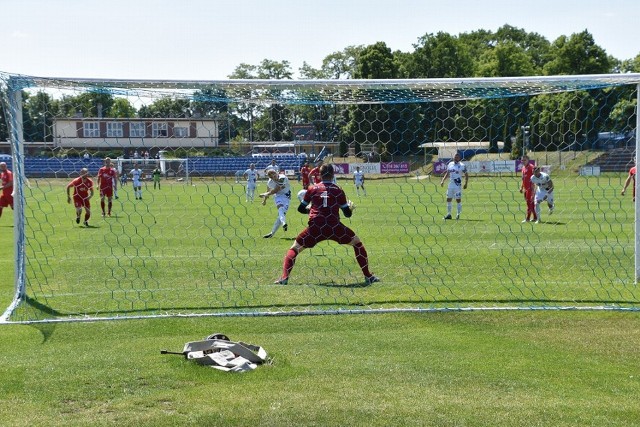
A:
(193, 243)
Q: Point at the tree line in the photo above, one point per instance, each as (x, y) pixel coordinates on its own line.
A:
(549, 122)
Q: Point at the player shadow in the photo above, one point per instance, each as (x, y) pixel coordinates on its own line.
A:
(342, 286)
(551, 223)
(463, 220)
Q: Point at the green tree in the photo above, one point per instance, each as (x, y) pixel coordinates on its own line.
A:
(88, 104)
(38, 112)
(507, 59)
(167, 107)
(630, 65)
(376, 62)
(122, 109)
(337, 65)
(439, 56)
(4, 117)
(577, 54)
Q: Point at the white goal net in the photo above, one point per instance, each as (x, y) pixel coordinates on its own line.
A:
(192, 242)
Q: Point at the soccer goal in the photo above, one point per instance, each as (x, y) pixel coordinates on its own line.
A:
(169, 168)
(199, 250)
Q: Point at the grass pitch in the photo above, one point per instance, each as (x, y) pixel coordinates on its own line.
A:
(198, 248)
(517, 368)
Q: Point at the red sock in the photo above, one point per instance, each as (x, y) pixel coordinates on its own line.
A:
(362, 258)
(109, 206)
(87, 216)
(289, 261)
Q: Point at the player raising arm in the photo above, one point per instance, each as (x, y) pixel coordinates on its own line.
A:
(280, 188)
(326, 199)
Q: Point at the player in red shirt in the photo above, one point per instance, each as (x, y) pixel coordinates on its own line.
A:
(82, 194)
(528, 188)
(326, 200)
(304, 175)
(107, 179)
(6, 184)
(314, 174)
(630, 177)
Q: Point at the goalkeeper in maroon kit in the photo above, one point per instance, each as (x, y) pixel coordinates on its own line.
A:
(326, 200)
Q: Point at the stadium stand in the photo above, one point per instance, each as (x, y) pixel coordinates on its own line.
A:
(198, 166)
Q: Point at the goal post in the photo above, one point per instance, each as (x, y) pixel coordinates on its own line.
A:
(199, 249)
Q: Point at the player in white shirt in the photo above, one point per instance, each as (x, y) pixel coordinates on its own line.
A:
(544, 190)
(279, 187)
(358, 180)
(273, 165)
(456, 171)
(136, 175)
(252, 179)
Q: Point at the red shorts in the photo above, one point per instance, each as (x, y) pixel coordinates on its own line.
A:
(314, 234)
(106, 192)
(6, 200)
(79, 202)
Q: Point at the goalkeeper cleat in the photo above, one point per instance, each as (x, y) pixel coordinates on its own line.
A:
(268, 236)
(281, 281)
(285, 227)
(371, 280)
(447, 217)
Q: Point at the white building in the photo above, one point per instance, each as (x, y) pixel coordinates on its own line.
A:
(104, 133)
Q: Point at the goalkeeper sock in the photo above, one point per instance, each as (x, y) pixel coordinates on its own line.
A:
(289, 262)
(362, 258)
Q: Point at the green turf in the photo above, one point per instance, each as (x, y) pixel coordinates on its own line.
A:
(199, 248)
(446, 369)
(523, 368)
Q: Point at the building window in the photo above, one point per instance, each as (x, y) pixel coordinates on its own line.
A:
(91, 129)
(159, 130)
(136, 130)
(180, 132)
(114, 130)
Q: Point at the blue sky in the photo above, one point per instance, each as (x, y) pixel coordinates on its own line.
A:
(207, 39)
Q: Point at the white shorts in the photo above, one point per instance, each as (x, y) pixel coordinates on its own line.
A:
(282, 200)
(251, 185)
(544, 195)
(454, 191)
